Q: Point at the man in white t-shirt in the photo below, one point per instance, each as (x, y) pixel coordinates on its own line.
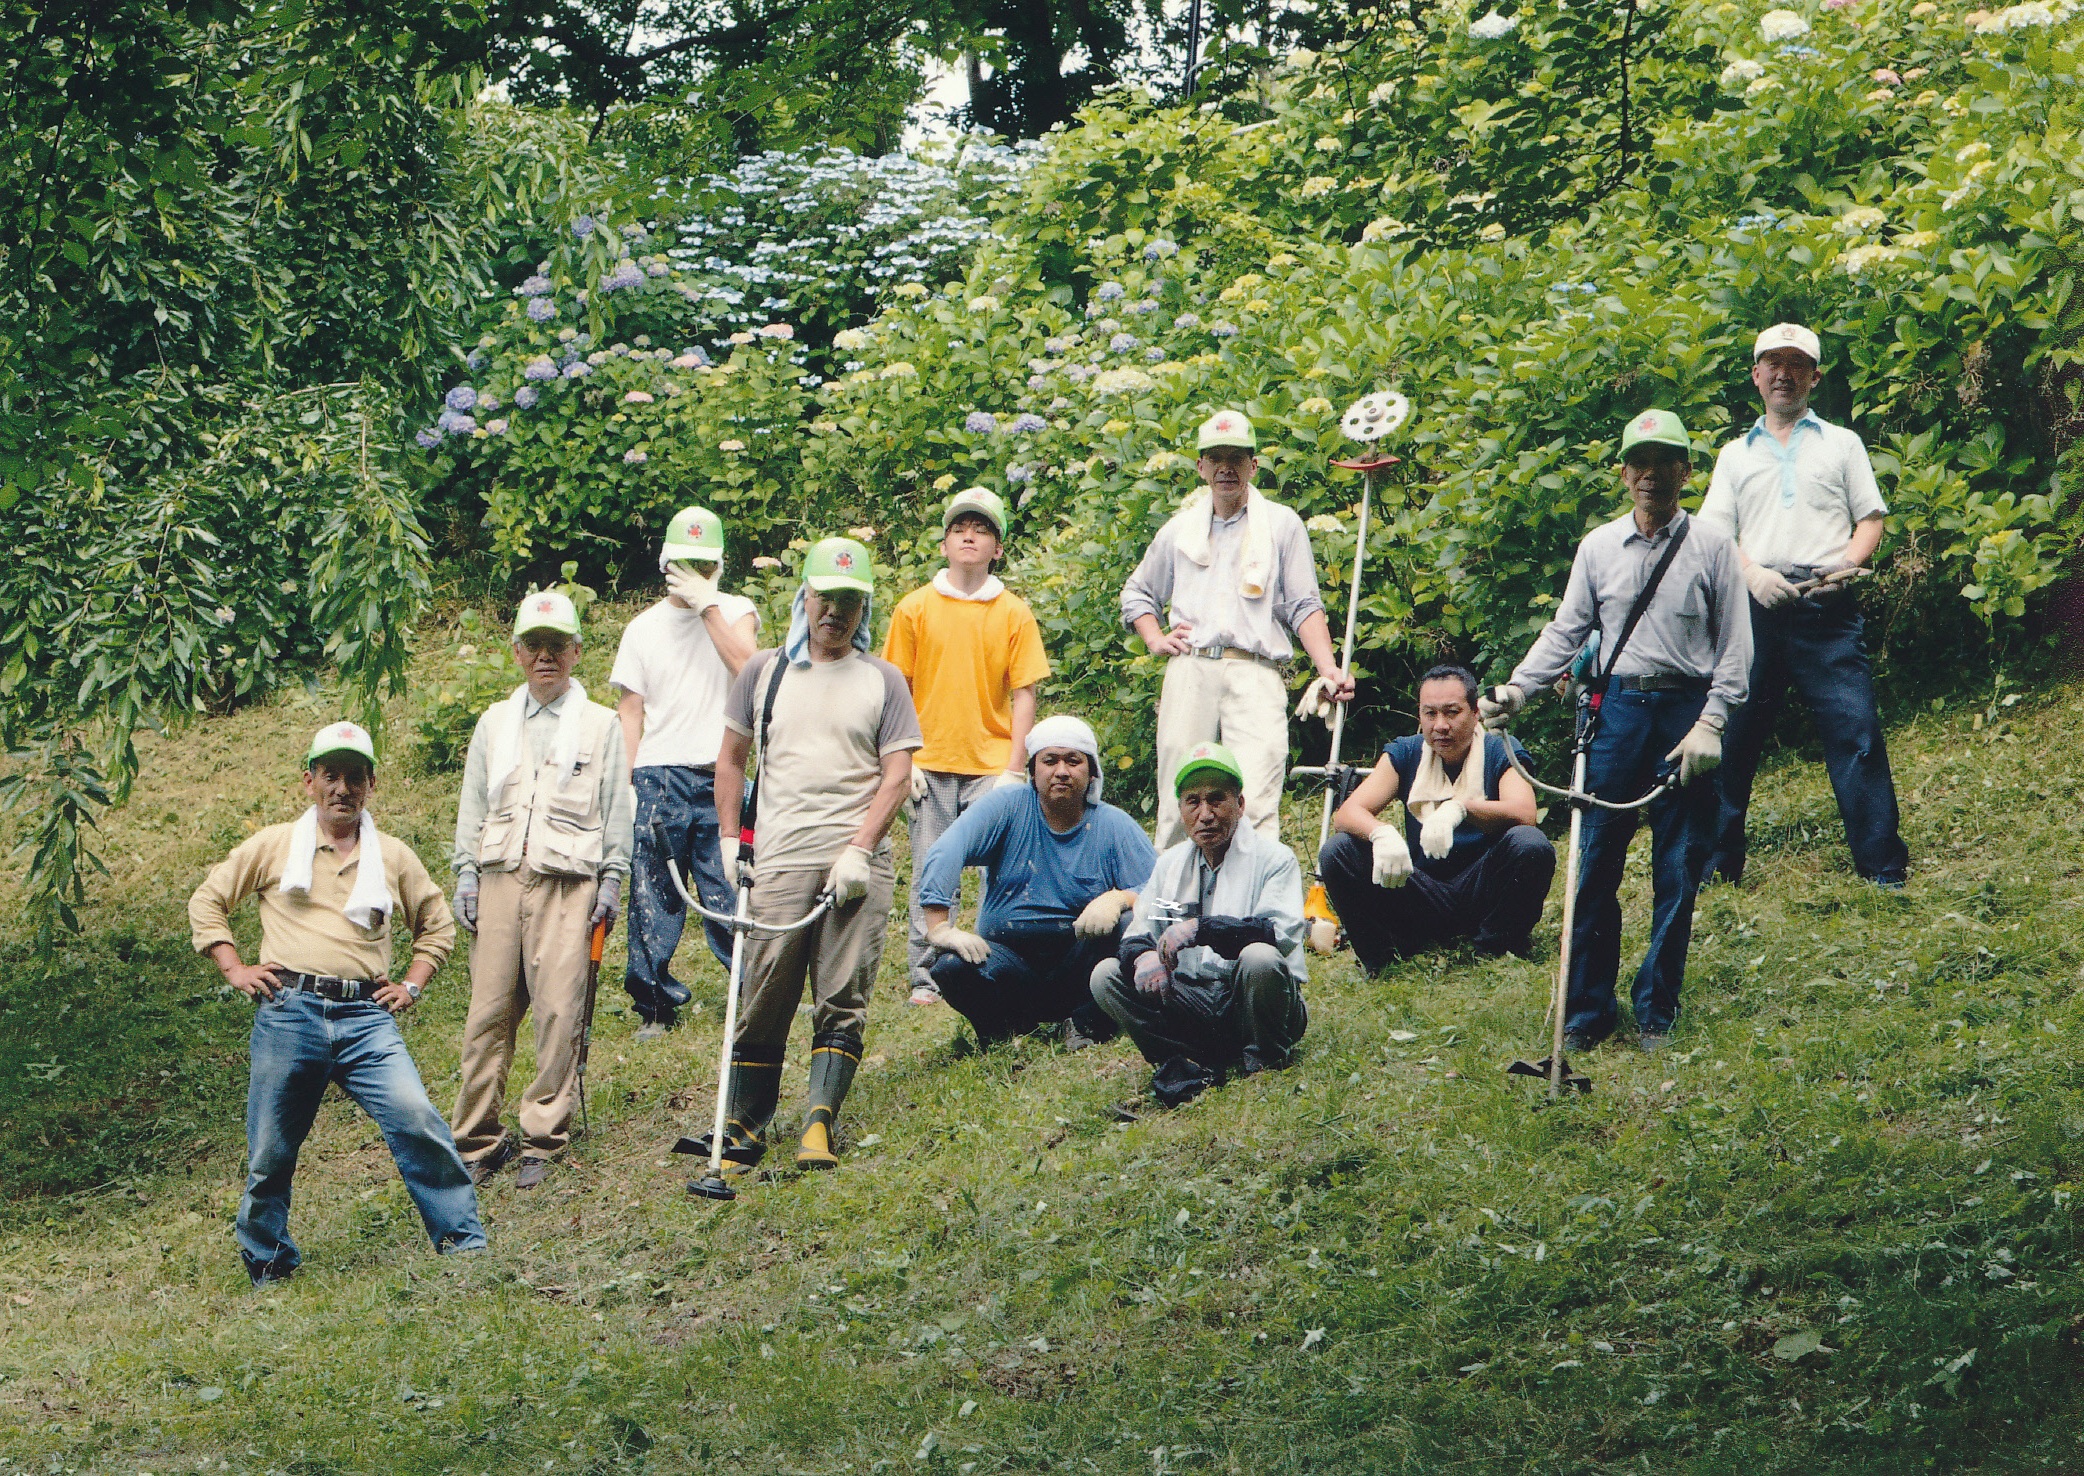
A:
(673, 669)
(1798, 496)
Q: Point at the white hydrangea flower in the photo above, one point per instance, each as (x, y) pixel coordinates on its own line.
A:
(1859, 220)
(1382, 93)
(1324, 523)
(1856, 261)
(1379, 227)
(1491, 232)
(850, 340)
(1494, 27)
(1122, 381)
(1918, 240)
(1743, 69)
(1761, 84)
(1782, 25)
(2018, 17)
(984, 304)
(1317, 184)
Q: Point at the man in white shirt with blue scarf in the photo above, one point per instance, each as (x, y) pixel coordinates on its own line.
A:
(1797, 496)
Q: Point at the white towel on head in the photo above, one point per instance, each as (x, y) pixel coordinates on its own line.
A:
(505, 753)
(370, 904)
(1193, 526)
(1430, 785)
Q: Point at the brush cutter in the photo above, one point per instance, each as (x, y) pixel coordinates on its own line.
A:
(593, 986)
(1555, 1067)
(1367, 420)
(712, 1185)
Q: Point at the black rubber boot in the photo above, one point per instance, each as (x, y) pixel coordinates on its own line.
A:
(834, 1057)
(755, 1088)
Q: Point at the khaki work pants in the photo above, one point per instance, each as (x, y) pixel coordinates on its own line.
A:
(530, 954)
(838, 954)
(1240, 704)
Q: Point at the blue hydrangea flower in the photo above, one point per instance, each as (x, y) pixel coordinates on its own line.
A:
(582, 226)
(1109, 291)
(980, 422)
(540, 367)
(1153, 355)
(1223, 330)
(628, 274)
(456, 423)
(541, 309)
(1038, 381)
(474, 360)
(495, 427)
(526, 396)
(1019, 474)
(536, 286)
(1026, 423)
(488, 402)
(428, 438)
(1187, 320)
(1159, 250)
(578, 369)
(462, 397)
(1121, 343)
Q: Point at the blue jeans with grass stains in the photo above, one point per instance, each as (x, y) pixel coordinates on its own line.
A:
(300, 1043)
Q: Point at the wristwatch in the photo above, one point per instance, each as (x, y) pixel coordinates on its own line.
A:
(412, 992)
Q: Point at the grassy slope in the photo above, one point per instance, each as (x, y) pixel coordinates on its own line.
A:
(1868, 1130)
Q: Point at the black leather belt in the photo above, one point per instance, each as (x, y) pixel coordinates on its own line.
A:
(330, 986)
(1661, 682)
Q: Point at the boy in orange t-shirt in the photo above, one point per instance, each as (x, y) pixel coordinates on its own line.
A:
(972, 652)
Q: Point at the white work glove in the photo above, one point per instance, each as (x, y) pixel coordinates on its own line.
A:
(918, 784)
(1436, 835)
(1392, 856)
(1699, 751)
(1768, 585)
(1499, 706)
(727, 852)
(1101, 916)
(607, 901)
(467, 901)
(847, 881)
(965, 945)
(1010, 778)
(697, 593)
(1316, 701)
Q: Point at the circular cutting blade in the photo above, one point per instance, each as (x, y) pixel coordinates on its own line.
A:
(1371, 417)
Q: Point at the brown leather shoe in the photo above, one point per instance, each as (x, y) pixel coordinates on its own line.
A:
(482, 1172)
(532, 1172)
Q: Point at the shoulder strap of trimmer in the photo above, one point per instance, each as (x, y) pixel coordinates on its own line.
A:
(749, 812)
(1636, 610)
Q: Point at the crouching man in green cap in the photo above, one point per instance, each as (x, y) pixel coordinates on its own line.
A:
(835, 731)
(1667, 595)
(1212, 968)
(329, 885)
(542, 849)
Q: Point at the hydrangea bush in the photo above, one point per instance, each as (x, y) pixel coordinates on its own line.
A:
(1897, 176)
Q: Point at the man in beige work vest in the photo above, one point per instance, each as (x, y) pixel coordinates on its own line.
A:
(542, 848)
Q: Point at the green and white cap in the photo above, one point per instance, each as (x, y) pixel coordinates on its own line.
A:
(1227, 428)
(547, 609)
(1207, 758)
(695, 534)
(341, 738)
(1655, 428)
(838, 563)
(979, 502)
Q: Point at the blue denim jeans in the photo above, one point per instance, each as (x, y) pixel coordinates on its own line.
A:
(1815, 647)
(1636, 731)
(300, 1043)
(1030, 979)
(683, 802)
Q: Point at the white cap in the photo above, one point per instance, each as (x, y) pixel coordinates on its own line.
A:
(1066, 731)
(1788, 335)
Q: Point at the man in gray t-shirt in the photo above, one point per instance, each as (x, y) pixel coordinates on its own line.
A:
(836, 730)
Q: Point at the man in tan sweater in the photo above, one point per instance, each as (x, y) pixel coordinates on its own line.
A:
(326, 999)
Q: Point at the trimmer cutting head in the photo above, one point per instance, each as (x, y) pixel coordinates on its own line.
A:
(1371, 417)
(711, 1186)
(1573, 1079)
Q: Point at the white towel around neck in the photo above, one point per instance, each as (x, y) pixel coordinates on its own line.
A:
(507, 740)
(1193, 529)
(1430, 786)
(369, 905)
(989, 590)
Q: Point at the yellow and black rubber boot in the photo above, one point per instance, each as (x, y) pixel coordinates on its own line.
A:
(755, 1088)
(834, 1057)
